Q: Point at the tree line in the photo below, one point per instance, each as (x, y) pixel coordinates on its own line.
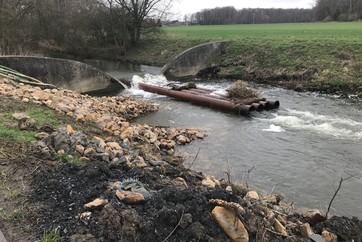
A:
(324, 10)
(338, 10)
(75, 25)
(229, 15)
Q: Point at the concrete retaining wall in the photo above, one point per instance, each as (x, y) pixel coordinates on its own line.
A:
(190, 62)
(69, 74)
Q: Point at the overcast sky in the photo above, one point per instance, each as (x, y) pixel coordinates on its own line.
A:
(182, 7)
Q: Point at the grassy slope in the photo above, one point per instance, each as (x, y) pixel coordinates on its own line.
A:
(327, 55)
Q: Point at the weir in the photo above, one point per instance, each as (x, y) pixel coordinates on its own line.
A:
(191, 61)
(62, 73)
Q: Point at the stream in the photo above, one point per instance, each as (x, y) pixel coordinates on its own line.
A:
(300, 150)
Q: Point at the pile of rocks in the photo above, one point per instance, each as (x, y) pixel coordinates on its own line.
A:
(266, 217)
(111, 114)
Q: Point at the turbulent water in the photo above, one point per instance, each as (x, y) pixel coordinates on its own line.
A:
(301, 150)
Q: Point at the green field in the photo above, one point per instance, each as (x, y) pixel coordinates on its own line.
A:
(301, 31)
(306, 56)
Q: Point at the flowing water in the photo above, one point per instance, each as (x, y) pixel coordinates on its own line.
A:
(301, 150)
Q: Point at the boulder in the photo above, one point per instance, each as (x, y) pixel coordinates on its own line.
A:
(231, 224)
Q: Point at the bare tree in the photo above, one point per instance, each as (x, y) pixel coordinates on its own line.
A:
(139, 11)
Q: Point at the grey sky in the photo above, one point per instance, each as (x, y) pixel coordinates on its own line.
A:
(182, 7)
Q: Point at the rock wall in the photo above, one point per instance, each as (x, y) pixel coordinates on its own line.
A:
(62, 73)
(190, 62)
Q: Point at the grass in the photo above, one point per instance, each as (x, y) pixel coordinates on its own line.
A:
(71, 159)
(43, 116)
(16, 135)
(14, 216)
(8, 125)
(53, 236)
(298, 51)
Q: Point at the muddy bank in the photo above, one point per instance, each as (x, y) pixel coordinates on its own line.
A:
(124, 183)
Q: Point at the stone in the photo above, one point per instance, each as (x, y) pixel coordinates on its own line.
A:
(216, 181)
(317, 238)
(314, 216)
(89, 151)
(191, 132)
(97, 203)
(282, 219)
(279, 227)
(19, 116)
(139, 162)
(179, 183)
(70, 130)
(80, 149)
(231, 224)
(101, 143)
(200, 135)
(252, 195)
(158, 163)
(329, 236)
(61, 152)
(114, 145)
(41, 95)
(127, 133)
(27, 124)
(102, 156)
(84, 159)
(130, 197)
(85, 217)
(108, 131)
(25, 100)
(229, 189)
(181, 139)
(306, 230)
(275, 198)
(207, 182)
(41, 135)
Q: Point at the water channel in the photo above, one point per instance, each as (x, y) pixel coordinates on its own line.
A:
(301, 150)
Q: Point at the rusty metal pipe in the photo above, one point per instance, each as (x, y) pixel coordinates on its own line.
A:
(244, 109)
(193, 91)
(256, 100)
(273, 104)
(197, 99)
(266, 105)
(258, 106)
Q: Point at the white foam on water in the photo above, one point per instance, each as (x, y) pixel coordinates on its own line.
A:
(275, 129)
(326, 125)
(158, 80)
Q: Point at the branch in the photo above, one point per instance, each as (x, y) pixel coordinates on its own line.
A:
(197, 154)
(178, 224)
(336, 192)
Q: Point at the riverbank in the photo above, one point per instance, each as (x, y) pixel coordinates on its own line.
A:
(323, 57)
(66, 150)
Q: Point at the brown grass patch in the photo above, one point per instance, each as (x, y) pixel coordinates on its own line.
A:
(241, 92)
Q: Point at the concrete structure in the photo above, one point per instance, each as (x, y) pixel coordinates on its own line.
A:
(2, 237)
(69, 74)
(190, 62)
